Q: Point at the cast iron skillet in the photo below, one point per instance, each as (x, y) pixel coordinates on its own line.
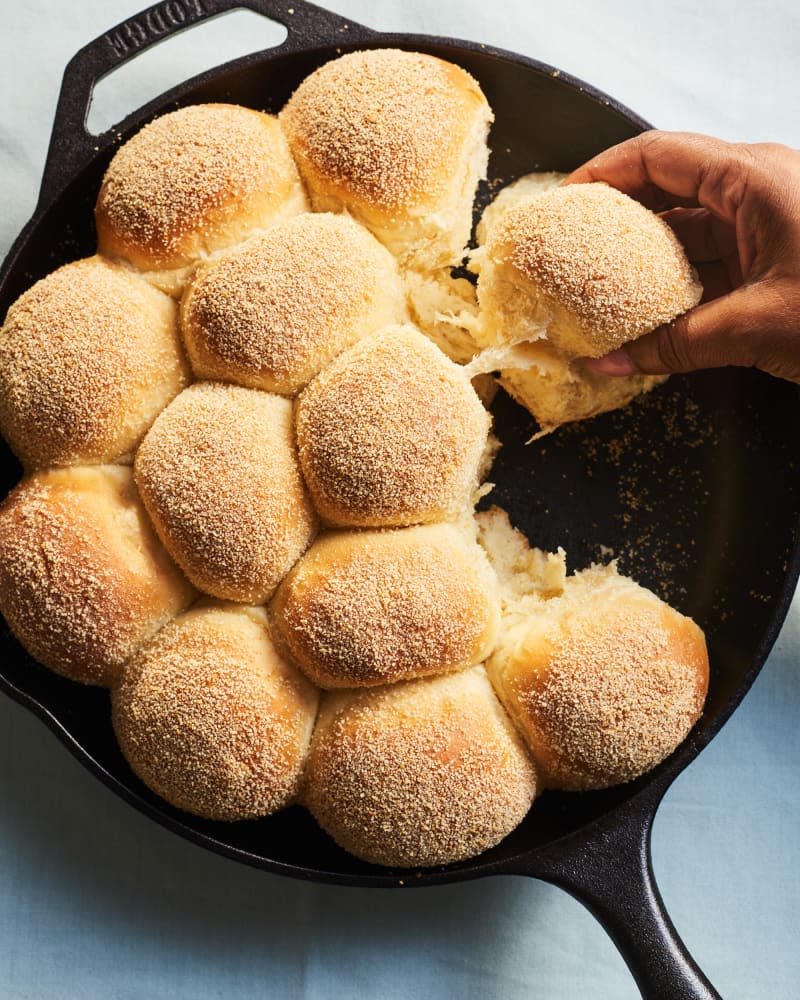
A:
(671, 485)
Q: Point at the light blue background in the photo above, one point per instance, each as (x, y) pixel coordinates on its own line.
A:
(97, 902)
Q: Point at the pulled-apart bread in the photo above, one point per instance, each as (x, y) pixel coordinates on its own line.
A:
(317, 482)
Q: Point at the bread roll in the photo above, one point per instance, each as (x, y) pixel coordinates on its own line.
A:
(192, 183)
(218, 474)
(84, 582)
(422, 773)
(575, 272)
(398, 140)
(363, 608)
(274, 312)
(603, 679)
(595, 265)
(212, 719)
(391, 433)
(88, 358)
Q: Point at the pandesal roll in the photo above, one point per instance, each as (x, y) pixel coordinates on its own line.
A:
(577, 271)
(218, 475)
(275, 311)
(603, 679)
(363, 608)
(398, 140)
(391, 433)
(89, 356)
(84, 581)
(425, 772)
(595, 267)
(191, 183)
(212, 719)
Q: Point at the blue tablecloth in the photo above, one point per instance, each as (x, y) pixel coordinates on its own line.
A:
(98, 902)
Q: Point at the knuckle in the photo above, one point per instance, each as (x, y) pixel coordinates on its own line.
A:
(673, 346)
(772, 151)
(650, 143)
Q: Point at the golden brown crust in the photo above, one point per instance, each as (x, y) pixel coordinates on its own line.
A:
(398, 140)
(421, 773)
(210, 717)
(604, 682)
(374, 607)
(193, 182)
(271, 314)
(604, 268)
(218, 474)
(88, 358)
(391, 433)
(84, 581)
(384, 128)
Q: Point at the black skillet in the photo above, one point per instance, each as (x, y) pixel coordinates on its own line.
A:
(672, 485)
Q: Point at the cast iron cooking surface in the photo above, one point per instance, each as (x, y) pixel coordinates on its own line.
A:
(694, 488)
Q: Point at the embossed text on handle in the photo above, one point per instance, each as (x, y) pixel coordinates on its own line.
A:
(147, 27)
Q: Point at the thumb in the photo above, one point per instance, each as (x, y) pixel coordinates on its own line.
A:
(727, 331)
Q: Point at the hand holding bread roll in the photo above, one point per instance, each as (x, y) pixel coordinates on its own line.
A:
(571, 273)
(735, 207)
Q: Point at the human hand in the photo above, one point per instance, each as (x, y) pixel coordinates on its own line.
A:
(736, 209)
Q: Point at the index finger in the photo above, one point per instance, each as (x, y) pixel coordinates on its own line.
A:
(665, 169)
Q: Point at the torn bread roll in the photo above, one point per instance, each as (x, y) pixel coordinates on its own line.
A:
(421, 773)
(445, 308)
(211, 718)
(84, 582)
(391, 433)
(575, 272)
(398, 140)
(89, 356)
(603, 678)
(364, 608)
(274, 312)
(191, 183)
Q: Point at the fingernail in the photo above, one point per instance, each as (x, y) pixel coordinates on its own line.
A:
(616, 363)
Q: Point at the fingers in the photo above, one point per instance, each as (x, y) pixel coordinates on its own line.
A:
(665, 169)
(711, 245)
(717, 278)
(736, 329)
(703, 236)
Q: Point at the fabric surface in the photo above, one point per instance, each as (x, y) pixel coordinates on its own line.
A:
(98, 902)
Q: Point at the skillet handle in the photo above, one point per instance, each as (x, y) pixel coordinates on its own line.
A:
(611, 873)
(72, 146)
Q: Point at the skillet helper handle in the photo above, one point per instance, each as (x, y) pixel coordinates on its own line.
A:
(72, 146)
(611, 873)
